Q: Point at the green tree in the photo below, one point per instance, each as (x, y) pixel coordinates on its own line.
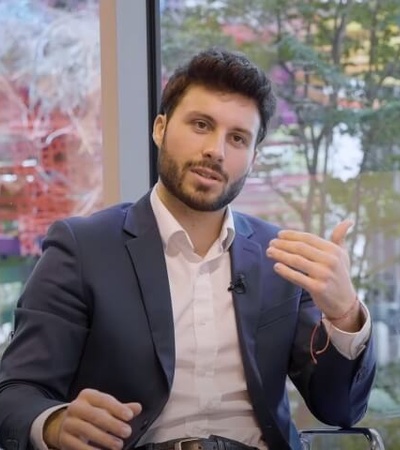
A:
(336, 69)
(184, 32)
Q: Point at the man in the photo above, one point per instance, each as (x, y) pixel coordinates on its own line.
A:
(174, 318)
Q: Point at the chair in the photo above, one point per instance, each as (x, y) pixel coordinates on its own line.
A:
(371, 435)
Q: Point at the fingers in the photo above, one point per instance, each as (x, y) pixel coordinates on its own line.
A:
(300, 250)
(100, 417)
(76, 431)
(337, 238)
(96, 419)
(340, 231)
(309, 268)
(294, 250)
(136, 408)
(70, 442)
(311, 285)
(309, 239)
(107, 402)
(319, 266)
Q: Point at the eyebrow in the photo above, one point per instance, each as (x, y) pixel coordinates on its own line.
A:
(205, 116)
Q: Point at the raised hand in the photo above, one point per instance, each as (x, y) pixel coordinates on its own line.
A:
(321, 267)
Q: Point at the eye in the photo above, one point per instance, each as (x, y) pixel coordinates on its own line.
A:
(239, 140)
(201, 125)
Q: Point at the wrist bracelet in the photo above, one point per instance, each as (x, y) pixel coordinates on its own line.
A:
(346, 314)
(314, 353)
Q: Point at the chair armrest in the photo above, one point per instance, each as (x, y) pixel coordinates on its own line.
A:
(371, 435)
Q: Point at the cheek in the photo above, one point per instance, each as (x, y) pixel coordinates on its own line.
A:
(179, 147)
(238, 166)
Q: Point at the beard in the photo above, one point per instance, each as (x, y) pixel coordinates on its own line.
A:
(172, 177)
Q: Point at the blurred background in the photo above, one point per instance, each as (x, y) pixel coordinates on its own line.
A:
(332, 152)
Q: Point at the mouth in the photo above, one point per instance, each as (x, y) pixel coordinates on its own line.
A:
(206, 173)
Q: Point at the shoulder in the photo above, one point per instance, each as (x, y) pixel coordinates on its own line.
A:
(111, 215)
(254, 226)
(101, 225)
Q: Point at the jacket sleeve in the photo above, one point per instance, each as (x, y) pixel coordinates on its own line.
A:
(336, 389)
(51, 325)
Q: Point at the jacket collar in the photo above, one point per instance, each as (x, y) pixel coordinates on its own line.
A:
(145, 248)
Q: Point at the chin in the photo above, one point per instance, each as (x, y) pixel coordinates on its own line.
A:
(200, 203)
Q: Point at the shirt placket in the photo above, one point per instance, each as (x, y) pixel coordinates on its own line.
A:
(205, 339)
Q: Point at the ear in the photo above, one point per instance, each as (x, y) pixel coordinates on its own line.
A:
(159, 126)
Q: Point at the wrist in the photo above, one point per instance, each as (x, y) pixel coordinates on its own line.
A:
(52, 429)
(351, 321)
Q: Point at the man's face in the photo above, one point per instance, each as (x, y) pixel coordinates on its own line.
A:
(206, 148)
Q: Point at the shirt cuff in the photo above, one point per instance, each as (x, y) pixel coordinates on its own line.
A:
(36, 434)
(350, 345)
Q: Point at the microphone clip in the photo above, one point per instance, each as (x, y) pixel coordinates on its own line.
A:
(238, 286)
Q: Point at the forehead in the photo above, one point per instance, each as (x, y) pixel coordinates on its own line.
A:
(236, 109)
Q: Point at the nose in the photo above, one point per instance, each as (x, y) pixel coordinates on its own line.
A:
(214, 147)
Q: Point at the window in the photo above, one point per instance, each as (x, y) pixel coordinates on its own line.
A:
(332, 152)
(50, 129)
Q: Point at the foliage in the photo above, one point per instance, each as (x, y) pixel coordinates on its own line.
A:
(334, 149)
(186, 32)
(336, 70)
(53, 54)
(50, 92)
(49, 104)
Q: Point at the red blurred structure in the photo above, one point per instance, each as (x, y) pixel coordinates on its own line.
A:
(45, 174)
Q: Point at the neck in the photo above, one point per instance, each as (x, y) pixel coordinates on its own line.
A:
(203, 227)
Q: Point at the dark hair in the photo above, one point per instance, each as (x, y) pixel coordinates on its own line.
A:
(224, 71)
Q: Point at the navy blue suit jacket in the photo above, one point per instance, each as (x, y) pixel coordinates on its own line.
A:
(96, 312)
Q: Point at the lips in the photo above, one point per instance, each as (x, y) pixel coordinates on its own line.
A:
(207, 173)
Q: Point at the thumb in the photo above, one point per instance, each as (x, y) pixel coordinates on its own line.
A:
(339, 232)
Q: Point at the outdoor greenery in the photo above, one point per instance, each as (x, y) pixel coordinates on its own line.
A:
(332, 152)
(49, 98)
(336, 70)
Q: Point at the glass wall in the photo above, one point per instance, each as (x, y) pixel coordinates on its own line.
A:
(332, 152)
(50, 129)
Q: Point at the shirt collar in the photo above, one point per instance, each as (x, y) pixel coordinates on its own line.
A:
(169, 227)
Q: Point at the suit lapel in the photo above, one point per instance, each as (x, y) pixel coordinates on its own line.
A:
(246, 259)
(246, 263)
(146, 252)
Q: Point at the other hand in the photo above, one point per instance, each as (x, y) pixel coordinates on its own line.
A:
(94, 419)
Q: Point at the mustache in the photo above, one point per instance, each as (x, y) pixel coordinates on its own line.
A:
(206, 164)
